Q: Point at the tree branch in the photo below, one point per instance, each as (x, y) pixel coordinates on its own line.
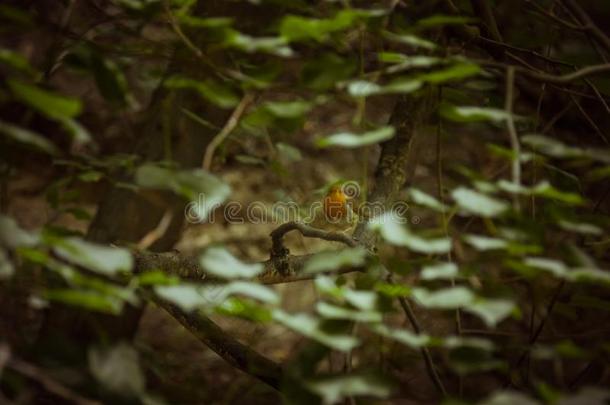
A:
(230, 349)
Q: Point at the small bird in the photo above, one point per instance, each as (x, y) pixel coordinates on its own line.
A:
(336, 213)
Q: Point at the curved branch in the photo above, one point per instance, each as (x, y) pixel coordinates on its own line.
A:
(225, 345)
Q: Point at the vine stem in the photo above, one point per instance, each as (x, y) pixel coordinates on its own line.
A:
(512, 132)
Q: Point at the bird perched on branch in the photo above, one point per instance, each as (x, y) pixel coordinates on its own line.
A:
(336, 212)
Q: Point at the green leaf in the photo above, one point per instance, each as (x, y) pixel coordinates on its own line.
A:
(439, 271)
(391, 229)
(215, 93)
(580, 227)
(542, 189)
(91, 300)
(334, 389)
(16, 61)
(118, 369)
(509, 398)
(491, 311)
(244, 309)
(557, 149)
(52, 105)
(330, 311)
(12, 236)
(426, 200)
(221, 263)
(6, 266)
(79, 134)
(477, 203)
(334, 260)
(408, 39)
(350, 140)
(325, 71)
(98, 258)
(28, 137)
(363, 88)
(298, 28)
(288, 109)
(556, 267)
(458, 71)
(448, 298)
(211, 22)
(472, 114)
(190, 296)
(273, 45)
(312, 328)
(483, 243)
(288, 152)
(205, 191)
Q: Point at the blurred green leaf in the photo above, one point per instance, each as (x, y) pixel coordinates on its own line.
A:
(118, 369)
(53, 105)
(205, 191)
(214, 92)
(326, 71)
(28, 137)
(447, 298)
(351, 140)
(472, 114)
(87, 299)
(439, 271)
(483, 243)
(13, 236)
(409, 39)
(477, 203)
(330, 311)
(395, 232)
(557, 149)
(244, 309)
(334, 260)
(491, 311)
(16, 61)
(312, 328)
(221, 263)
(6, 266)
(288, 109)
(98, 258)
(459, 71)
(272, 45)
(426, 200)
(334, 389)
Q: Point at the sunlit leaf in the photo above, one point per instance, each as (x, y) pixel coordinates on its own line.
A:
(557, 149)
(472, 114)
(426, 200)
(99, 258)
(439, 271)
(477, 203)
(330, 311)
(396, 232)
(334, 260)
(312, 327)
(351, 140)
(334, 389)
(408, 39)
(448, 298)
(221, 263)
(483, 243)
(13, 236)
(491, 311)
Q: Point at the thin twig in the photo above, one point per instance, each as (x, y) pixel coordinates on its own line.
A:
(157, 233)
(226, 130)
(430, 367)
(49, 383)
(512, 132)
